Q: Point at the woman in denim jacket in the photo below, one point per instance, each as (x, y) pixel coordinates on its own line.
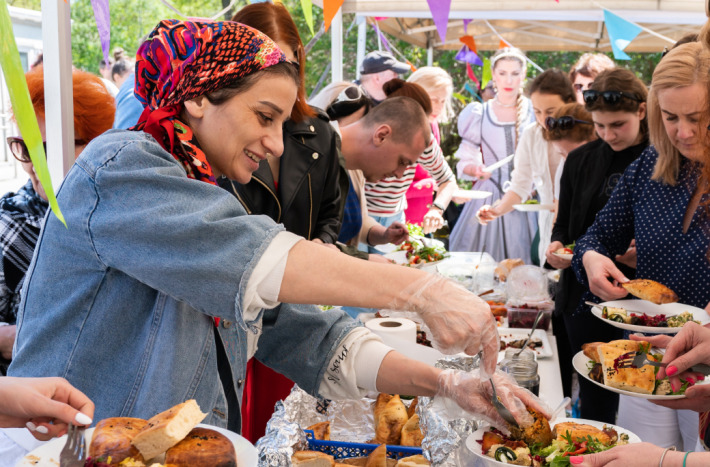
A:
(123, 300)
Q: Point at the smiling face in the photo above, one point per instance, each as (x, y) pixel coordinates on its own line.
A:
(682, 111)
(238, 133)
(391, 159)
(545, 105)
(619, 129)
(507, 75)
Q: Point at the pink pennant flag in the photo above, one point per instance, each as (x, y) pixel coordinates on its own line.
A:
(440, 14)
(103, 24)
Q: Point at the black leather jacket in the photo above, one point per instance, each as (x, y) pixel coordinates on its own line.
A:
(308, 200)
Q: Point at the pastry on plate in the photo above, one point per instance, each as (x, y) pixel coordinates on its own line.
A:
(168, 428)
(202, 447)
(112, 437)
(641, 380)
(653, 291)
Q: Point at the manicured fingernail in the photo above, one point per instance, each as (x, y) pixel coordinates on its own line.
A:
(701, 377)
(671, 370)
(691, 381)
(42, 429)
(31, 426)
(576, 460)
(82, 419)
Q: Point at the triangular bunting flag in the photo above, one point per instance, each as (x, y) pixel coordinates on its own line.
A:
(330, 9)
(440, 14)
(468, 40)
(621, 33)
(466, 22)
(468, 56)
(503, 44)
(470, 74)
(103, 24)
(487, 73)
(307, 7)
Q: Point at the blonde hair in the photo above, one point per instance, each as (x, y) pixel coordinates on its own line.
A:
(433, 78)
(590, 65)
(683, 66)
(328, 94)
(521, 111)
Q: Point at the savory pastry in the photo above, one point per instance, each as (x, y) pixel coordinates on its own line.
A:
(641, 380)
(579, 430)
(168, 428)
(652, 291)
(413, 461)
(538, 432)
(412, 409)
(312, 459)
(590, 350)
(321, 431)
(112, 437)
(389, 420)
(411, 433)
(202, 447)
(505, 266)
(378, 457)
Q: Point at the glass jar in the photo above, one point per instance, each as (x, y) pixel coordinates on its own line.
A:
(525, 373)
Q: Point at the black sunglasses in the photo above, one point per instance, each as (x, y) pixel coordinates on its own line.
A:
(565, 122)
(349, 101)
(610, 97)
(19, 150)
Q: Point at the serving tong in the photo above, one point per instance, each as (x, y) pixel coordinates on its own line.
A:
(502, 410)
(636, 359)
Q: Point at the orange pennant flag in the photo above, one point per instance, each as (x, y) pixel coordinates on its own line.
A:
(503, 44)
(330, 9)
(470, 43)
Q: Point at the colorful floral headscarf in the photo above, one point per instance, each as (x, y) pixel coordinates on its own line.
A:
(182, 60)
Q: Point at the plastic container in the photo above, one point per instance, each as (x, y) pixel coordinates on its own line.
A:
(524, 317)
(342, 450)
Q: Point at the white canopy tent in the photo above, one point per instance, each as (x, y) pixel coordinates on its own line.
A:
(542, 25)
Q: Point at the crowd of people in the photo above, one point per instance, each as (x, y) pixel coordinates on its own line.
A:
(225, 204)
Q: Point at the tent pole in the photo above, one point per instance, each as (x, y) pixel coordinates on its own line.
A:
(58, 95)
(361, 42)
(336, 46)
(430, 52)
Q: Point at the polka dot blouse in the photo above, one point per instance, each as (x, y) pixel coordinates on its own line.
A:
(652, 212)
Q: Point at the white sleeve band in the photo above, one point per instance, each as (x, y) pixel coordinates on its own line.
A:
(264, 284)
(352, 372)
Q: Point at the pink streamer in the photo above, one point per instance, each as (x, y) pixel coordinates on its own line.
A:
(103, 24)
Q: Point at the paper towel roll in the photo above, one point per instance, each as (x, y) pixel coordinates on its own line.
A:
(399, 328)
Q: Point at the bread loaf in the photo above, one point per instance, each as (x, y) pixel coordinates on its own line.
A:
(168, 428)
(112, 437)
(202, 447)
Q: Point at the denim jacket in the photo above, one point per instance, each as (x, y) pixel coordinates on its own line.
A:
(121, 301)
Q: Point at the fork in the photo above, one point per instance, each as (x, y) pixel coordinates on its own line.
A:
(74, 452)
(635, 359)
(501, 409)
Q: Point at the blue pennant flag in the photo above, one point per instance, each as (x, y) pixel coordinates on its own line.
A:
(621, 33)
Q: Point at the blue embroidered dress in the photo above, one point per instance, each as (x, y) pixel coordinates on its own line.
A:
(652, 212)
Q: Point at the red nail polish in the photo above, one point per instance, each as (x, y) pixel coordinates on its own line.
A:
(576, 460)
(691, 381)
(671, 370)
(701, 377)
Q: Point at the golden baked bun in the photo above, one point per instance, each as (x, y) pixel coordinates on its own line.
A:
(413, 461)
(411, 433)
(321, 431)
(378, 457)
(312, 459)
(202, 447)
(168, 428)
(389, 421)
(112, 437)
(653, 291)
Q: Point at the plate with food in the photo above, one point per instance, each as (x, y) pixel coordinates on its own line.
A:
(644, 316)
(533, 205)
(599, 362)
(551, 441)
(566, 252)
(170, 437)
(419, 254)
(515, 338)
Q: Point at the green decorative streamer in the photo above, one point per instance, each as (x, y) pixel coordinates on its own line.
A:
(307, 7)
(22, 106)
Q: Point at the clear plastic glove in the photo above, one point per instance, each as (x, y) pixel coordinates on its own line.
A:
(459, 320)
(472, 392)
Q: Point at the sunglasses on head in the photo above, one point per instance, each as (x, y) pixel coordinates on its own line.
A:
(609, 97)
(349, 101)
(19, 150)
(566, 122)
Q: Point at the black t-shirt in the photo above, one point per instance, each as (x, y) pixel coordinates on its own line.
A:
(620, 161)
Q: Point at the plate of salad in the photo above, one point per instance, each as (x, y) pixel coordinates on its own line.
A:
(586, 437)
(533, 205)
(416, 253)
(644, 316)
(566, 252)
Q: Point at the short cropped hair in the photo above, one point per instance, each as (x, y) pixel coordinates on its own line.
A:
(403, 114)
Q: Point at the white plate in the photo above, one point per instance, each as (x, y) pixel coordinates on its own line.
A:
(567, 256)
(513, 334)
(580, 364)
(471, 194)
(472, 442)
(644, 306)
(48, 454)
(533, 207)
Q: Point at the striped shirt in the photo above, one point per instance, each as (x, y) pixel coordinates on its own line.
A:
(386, 197)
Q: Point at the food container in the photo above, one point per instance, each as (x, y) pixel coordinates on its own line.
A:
(343, 450)
(524, 317)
